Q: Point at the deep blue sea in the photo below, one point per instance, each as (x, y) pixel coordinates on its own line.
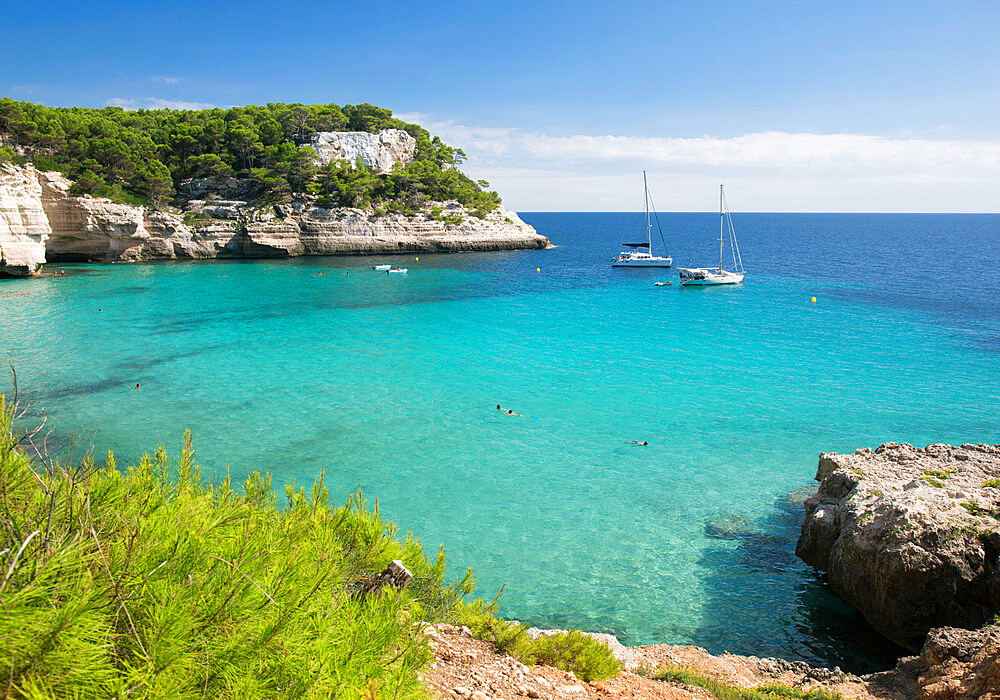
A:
(390, 383)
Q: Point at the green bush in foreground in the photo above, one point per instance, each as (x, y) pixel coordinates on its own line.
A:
(724, 691)
(575, 651)
(151, 582)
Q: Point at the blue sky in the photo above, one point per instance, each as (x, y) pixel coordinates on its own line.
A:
(876, 106)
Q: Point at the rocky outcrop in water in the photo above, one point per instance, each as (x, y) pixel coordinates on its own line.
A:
(40, 219)
(910, 537)
(379, 152)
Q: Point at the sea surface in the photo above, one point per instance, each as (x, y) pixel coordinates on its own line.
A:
(390, 384)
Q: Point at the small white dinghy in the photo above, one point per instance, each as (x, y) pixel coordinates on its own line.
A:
(396, 271)
(382, 268)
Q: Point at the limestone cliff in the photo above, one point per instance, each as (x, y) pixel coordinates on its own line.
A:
(40, 220)
(24, 226)
(910, 537)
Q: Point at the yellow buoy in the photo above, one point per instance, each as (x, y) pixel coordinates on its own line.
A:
(814, 300)
(538, 269)
(417, 258)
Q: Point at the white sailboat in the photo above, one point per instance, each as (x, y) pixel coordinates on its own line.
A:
(707, 276)
(636, 258)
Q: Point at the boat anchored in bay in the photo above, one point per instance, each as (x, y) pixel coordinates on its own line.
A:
(709, 276)
(637, 258)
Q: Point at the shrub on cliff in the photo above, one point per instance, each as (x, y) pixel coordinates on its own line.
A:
(575, 651)
(142, 155)
(726, 691)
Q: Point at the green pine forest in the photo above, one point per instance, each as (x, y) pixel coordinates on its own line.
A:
(142, 156)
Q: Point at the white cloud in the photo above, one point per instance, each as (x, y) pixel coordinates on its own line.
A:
(766, 171)
(169, 80)
(155, 103)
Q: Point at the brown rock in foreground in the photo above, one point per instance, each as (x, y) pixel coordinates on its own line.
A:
(961, 664)
(910, 537)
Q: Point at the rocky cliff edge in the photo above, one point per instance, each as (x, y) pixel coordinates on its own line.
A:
(909, 536)
(40, 221)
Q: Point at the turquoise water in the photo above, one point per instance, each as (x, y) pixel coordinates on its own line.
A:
(390, 383)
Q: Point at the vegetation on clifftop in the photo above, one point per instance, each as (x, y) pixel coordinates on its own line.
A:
(149, 581)
(142, 156)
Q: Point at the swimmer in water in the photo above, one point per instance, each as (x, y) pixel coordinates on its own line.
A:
(136, 386)
(510, 412)
(636, 442)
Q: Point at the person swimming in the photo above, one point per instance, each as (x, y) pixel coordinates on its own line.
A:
(636, 442)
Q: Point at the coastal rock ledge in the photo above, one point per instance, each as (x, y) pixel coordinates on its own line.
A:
(40, 221)
(909, 536)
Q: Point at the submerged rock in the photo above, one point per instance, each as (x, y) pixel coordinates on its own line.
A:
(910, 537)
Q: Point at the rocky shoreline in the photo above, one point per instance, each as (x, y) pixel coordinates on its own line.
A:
(40, 221)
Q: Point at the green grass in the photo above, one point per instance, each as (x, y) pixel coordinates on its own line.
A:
(978, 510)
(726, 691)
(150, 581)
(933, 482)
(992, 483)
(939, 473)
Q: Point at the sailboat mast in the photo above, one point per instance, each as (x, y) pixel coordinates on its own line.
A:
(649, 229)
(722, 226)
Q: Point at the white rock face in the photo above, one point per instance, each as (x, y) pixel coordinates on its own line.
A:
(379, 152)
(24, 227)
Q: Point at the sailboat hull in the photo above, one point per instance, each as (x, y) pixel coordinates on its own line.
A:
(711, 279)
(712, 283)
(643, 262)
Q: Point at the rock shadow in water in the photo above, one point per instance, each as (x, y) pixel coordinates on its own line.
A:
(757, 585)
